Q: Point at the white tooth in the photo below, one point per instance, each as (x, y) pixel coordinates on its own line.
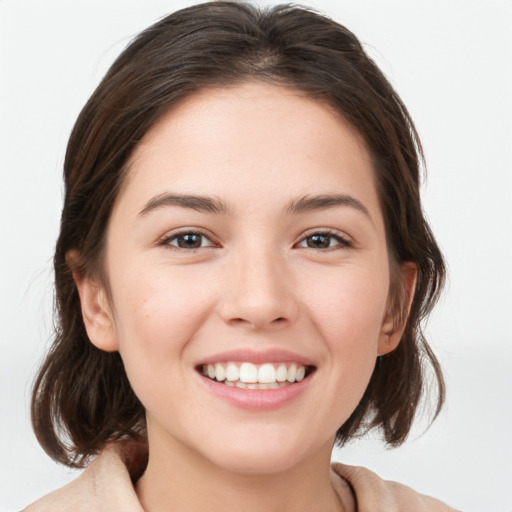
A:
(273, 385)
(229, 383)
(301, 372)
(292, 372)
(232, 372)
(248, 373)
(264, 386)
(267, 373)
(204, 370)
(252, 386)
(220, 373)
(240, 384)
(281, 373)
(211, 371)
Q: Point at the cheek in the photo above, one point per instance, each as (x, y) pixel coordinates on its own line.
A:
(350, 311)
(165, 303)
(156, 316)
(349, 314)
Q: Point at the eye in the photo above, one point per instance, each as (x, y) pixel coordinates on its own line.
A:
(324, 240)
(188, 240)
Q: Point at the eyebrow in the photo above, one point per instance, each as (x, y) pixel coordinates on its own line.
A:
(216, 205)
(323, 202)
(193, 202)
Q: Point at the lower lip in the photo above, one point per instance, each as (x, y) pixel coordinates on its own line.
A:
(256, 399)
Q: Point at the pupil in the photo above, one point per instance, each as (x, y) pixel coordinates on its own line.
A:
(189, 241)
(318, 241)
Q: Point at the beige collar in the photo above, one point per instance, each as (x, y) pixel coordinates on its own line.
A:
(107, 486)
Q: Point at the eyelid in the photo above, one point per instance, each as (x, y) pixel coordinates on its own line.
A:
(345, 241)
(170, 235)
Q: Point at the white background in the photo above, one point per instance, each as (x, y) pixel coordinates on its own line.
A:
(451, 61)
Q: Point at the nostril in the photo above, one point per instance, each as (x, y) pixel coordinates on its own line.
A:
(239, 321)
(257, 323)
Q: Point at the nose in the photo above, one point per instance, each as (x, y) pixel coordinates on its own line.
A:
(258, 292)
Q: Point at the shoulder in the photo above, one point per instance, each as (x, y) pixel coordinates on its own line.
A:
(374, 494)
(104, 486)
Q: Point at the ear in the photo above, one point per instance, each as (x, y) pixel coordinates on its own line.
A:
(398, 308)
(96, 310)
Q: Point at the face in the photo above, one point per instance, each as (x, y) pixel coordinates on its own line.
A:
(246, 250)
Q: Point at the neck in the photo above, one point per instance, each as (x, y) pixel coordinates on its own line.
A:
(177, 478)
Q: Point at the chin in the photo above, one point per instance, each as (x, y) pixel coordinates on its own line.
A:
(262, 463)
(262, 454)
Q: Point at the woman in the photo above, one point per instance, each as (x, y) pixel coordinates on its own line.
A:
(241, 271)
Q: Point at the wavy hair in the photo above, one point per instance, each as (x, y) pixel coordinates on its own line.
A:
(82, 398)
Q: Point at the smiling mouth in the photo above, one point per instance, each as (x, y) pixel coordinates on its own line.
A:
(247, 375)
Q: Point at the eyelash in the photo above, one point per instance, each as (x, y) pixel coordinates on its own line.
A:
(342, 242)
(166, 241)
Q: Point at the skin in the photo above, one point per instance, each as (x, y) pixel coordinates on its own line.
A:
(257, 282)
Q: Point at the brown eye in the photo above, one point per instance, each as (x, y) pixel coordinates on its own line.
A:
(324, 241)
(319, 241)
(189, 241)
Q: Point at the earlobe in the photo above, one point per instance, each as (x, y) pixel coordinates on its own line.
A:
(96, 310)
(399, 305)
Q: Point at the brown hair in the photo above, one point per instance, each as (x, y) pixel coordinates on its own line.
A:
(82, 398)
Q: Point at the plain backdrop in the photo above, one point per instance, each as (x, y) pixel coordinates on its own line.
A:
(451, 62)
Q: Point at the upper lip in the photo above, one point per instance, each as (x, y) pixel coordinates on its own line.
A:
(257, 357)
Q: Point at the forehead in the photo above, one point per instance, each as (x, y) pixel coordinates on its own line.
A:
(240, 141)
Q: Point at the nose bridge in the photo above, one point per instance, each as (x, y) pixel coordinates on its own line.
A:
(259, 291)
